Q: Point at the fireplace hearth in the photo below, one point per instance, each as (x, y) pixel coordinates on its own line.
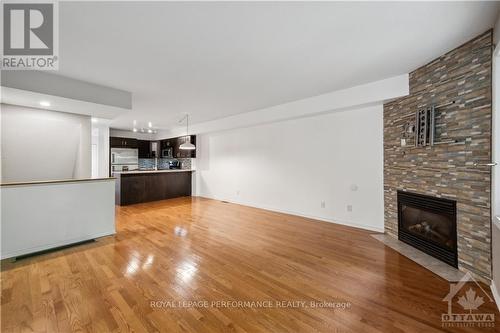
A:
(429, 224)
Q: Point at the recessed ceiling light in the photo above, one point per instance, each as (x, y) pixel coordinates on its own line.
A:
(94, 120)
(150, 130)
(44, 103)
(150, 124)
(135, 129)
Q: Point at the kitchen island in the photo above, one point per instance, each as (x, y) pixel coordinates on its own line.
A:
(143, 186)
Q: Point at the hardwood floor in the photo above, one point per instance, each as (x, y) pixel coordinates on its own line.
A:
(192, 249)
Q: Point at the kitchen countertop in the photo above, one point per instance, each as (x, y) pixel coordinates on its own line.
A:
(151, 171)
(55, 181)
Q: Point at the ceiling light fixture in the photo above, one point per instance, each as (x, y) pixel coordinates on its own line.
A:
(187, 145)
(134, 130)
(150, 130)
(44, 103)
(94, 120)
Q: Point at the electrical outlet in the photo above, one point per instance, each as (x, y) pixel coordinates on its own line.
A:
(323, 204)
(349, 208)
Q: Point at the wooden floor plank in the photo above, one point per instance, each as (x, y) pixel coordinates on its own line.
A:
(194, 249)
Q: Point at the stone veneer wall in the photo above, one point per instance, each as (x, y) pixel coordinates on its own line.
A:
(446, 170)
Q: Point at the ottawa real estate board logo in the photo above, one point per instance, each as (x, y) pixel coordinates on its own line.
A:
(465, 302)
(30, 35)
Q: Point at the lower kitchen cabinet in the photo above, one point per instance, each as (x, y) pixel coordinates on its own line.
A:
(137, 187)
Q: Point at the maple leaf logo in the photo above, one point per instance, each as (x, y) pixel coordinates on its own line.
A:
(470, 301)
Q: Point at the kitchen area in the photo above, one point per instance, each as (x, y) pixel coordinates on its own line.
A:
(150, 170)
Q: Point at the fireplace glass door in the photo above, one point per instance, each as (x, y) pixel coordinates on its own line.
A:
(433, 227)
(429, 224)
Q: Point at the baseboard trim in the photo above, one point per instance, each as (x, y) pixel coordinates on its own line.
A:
(312, 217)
(46, 247)
(496, 294)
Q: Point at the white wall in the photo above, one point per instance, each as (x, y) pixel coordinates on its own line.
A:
(496, 30)
(44, 145)
(291, 166)
(495, 283)
(55, 214)
(495, 190)
(100, 138)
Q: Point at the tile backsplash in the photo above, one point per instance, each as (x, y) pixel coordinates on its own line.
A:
(146, 163)
(149, 163)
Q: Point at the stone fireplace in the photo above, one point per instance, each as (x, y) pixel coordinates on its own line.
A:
(451, 169)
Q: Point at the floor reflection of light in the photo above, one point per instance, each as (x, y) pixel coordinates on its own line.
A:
(180, 231)
(149, 260)
(132, 266)
(186, 271)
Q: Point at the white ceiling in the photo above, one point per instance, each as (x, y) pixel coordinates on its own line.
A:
(213, 60)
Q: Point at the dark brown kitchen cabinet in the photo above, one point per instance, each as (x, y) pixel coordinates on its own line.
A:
(192, 153)
(167, 148)
(145, 150)
(180, 153)
(117, 142)
(167, 143)
(173, 146)
(131, 188)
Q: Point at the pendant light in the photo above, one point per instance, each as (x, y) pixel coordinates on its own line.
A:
(187, 145)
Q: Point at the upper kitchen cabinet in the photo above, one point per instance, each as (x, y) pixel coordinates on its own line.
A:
(180, 153)
(167, 148)
(145, 149)
(167, 143)
(116, 142)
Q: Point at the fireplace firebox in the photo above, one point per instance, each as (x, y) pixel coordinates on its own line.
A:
(429, 224)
